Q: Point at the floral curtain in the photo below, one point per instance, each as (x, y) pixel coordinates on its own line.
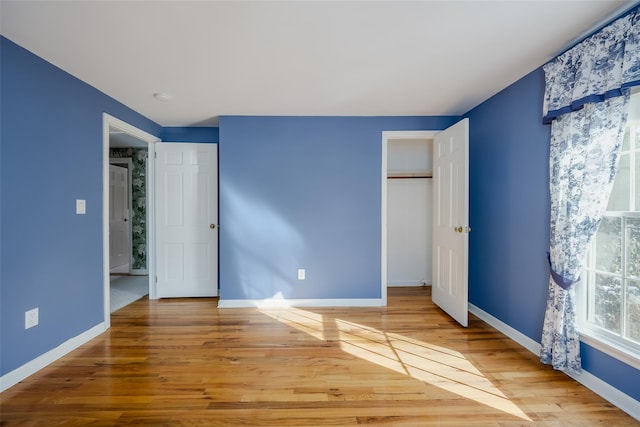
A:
(586, 95)
(600, 67)
(583, 164)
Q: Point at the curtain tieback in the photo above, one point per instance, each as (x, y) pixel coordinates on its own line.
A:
(561, 281)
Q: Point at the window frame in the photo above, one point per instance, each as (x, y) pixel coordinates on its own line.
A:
(591, 334)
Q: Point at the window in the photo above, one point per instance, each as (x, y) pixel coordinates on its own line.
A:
(609, 300)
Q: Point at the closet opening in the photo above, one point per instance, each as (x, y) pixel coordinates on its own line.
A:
(407, 209)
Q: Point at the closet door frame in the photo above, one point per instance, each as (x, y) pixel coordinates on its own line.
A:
(388, 136)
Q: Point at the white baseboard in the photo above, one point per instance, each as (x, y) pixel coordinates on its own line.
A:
(622, 400)
(531, 345)
(14, 377)
(282, 302)
(590, 381)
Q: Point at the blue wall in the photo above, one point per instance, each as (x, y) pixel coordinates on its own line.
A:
(303, 192)
(51, 258)
(190, 134)
(509, 215)
(509, 205)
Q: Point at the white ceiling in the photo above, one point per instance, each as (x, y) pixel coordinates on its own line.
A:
(336, 58)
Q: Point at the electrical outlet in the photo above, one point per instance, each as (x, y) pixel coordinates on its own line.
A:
(30, 318)
(301, 274)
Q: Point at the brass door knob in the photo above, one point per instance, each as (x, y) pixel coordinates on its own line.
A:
(212, 226)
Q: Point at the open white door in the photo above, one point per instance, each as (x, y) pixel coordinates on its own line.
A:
(450, 289)
(186, 220)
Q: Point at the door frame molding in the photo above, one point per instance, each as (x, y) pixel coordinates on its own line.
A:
(108, 122)
(386, 137)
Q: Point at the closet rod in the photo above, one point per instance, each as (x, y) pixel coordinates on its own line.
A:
(409, 176)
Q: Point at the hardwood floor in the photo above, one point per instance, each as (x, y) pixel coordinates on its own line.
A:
(185, 362)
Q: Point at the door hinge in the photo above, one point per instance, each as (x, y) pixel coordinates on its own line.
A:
(156, 279)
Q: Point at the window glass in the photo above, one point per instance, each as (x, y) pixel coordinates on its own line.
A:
(633, 310)
(632, 239)
(637, 180)
(619, 199)
(609, 245)
(626, 143)
(608, 297)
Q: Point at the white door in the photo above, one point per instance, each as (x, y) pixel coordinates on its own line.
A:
(186, 220)
(118, 219)
(451, 221)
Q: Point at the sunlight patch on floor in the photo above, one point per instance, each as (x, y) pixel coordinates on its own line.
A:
(439, 366)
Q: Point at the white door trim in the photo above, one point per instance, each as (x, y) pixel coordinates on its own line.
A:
(109, 121)
(386, 136)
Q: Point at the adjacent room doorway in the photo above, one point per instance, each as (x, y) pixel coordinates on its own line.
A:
(119, 134)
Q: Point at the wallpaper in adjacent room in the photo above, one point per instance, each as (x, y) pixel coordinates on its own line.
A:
(138, 157)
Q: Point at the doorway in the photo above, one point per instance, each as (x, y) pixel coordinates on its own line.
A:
(450, 209)
(406, 172)
(120, 136)
(409, 212)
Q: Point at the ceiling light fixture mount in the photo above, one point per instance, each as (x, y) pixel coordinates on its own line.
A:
(160, 96)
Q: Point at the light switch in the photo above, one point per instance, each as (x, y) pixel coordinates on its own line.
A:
(31, 318)
(81, 207)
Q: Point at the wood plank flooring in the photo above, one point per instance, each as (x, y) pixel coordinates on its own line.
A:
(184, 362)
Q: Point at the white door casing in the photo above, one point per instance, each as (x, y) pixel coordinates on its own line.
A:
(119, 219)
(387, 136)
(186, 220)
(451, 221)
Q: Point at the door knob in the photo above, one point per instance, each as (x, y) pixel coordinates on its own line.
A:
(212, 226)
(458, 229)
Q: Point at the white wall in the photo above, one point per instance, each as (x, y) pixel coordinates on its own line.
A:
(409, 212)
